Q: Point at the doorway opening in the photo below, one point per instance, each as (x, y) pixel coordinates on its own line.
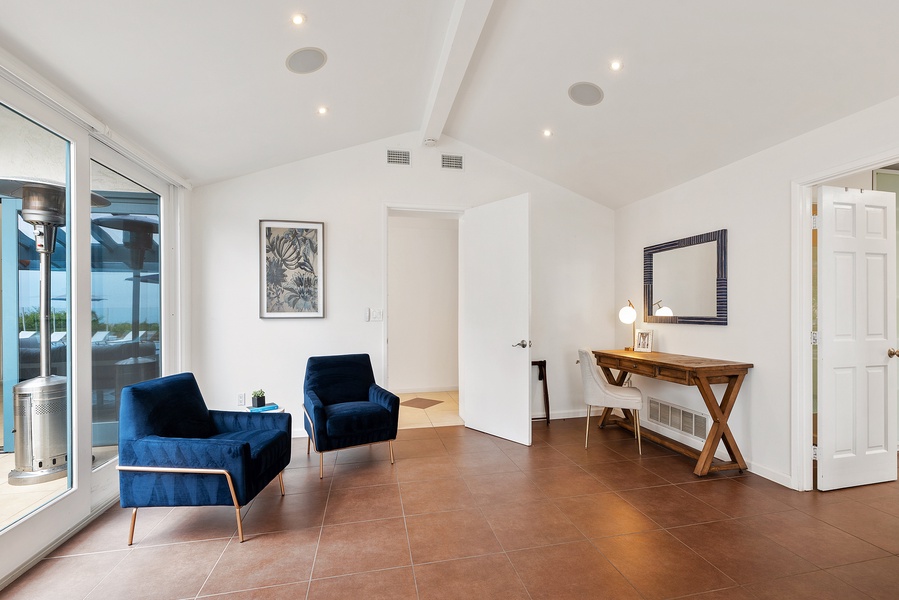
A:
(422, 325)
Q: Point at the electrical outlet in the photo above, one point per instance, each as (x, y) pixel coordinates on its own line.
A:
(377, 314)
(241, 399)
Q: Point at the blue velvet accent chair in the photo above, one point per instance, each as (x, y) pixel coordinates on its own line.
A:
(173, 451)
(345, 407)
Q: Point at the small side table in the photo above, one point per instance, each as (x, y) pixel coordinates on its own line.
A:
(541, 376)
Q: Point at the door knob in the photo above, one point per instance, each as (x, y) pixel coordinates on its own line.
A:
(892, 352)
(522, 344)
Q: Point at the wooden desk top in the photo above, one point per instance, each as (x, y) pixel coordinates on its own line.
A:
(676, 368)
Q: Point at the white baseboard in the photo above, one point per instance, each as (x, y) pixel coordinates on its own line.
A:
(779, 478)
(424, 390)
(562, 414)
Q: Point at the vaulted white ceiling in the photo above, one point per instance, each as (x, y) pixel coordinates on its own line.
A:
(202, 84)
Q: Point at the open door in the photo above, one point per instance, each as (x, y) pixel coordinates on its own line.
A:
(856, 331)
(494, 319)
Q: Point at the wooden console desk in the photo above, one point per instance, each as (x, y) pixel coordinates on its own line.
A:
(685, 370)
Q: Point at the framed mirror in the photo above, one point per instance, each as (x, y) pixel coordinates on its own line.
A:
(689, 277)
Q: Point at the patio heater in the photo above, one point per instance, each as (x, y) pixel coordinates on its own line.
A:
(39, 404)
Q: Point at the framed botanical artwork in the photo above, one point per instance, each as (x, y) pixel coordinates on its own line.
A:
(643, 340)
(291, 269)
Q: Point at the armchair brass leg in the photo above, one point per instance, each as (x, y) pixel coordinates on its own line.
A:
(321, 465)
(390, 445)
(131, 532)
(239, 525)
(308, 444)
(587, 436)
(281, 481)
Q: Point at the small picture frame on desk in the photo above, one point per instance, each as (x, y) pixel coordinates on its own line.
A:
(643, 340)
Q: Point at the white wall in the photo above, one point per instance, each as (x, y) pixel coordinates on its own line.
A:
(423, 301)
(573, 301)
(233, 350)
(752, 200)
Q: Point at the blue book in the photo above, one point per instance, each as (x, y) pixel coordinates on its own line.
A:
(264, 407)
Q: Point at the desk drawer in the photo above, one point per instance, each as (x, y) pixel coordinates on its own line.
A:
(675, 375)
(637, 368)
(625, 364)
(607, 361)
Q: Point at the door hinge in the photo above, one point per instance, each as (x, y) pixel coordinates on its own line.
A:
(814, 222)
(814, 452)
(814, 338)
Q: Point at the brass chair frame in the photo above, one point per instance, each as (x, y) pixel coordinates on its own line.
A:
(227, 475)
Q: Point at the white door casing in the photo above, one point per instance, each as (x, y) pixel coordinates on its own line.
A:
(494, 315)
(856, 328)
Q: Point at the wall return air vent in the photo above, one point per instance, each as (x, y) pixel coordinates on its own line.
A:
(678, 418)
(401, 158)
(452, 161)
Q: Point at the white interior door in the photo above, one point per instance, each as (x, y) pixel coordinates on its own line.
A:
(494, 318)
(856, 329)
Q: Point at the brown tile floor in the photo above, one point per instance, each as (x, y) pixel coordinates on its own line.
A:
(466, 515)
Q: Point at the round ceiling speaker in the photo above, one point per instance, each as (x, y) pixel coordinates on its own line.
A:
(307, 60)
(585, 94)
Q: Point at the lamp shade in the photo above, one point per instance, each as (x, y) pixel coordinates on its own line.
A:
(664, 311)
(628, 314)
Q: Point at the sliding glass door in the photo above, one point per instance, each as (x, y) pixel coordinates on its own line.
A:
(125, 298)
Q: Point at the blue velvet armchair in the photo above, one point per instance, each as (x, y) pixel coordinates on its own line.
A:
(173, 451)
(345, 407)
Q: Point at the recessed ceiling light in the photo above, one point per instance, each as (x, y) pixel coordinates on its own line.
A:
(306, 60)
(615, 65)
(322, 110)
(547, 132)
(299, 19)
(585, 93)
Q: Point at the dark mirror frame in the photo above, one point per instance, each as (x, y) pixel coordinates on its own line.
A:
(720, 238)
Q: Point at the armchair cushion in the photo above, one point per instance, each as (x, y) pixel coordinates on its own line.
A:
(348, 418)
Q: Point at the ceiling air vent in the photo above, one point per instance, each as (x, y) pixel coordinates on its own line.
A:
(399, 157)
(451, 161)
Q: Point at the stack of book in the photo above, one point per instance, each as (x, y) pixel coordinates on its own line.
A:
(263, 408)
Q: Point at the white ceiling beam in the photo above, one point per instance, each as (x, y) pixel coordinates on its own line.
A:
(462, 34)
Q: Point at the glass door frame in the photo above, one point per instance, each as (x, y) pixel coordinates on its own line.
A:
(35, 534)
(91, 491)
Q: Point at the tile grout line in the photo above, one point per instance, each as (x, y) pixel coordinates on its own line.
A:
(321, 529)
(399, 491)
(217, 561)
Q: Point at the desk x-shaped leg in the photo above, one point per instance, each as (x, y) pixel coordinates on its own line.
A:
(719, 431)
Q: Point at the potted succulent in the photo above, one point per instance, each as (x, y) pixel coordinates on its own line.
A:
(258, 398)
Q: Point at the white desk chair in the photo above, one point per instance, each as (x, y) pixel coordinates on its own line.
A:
(599, 392)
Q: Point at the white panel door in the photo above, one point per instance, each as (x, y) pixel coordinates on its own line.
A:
(494, 319)
(856, 329)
